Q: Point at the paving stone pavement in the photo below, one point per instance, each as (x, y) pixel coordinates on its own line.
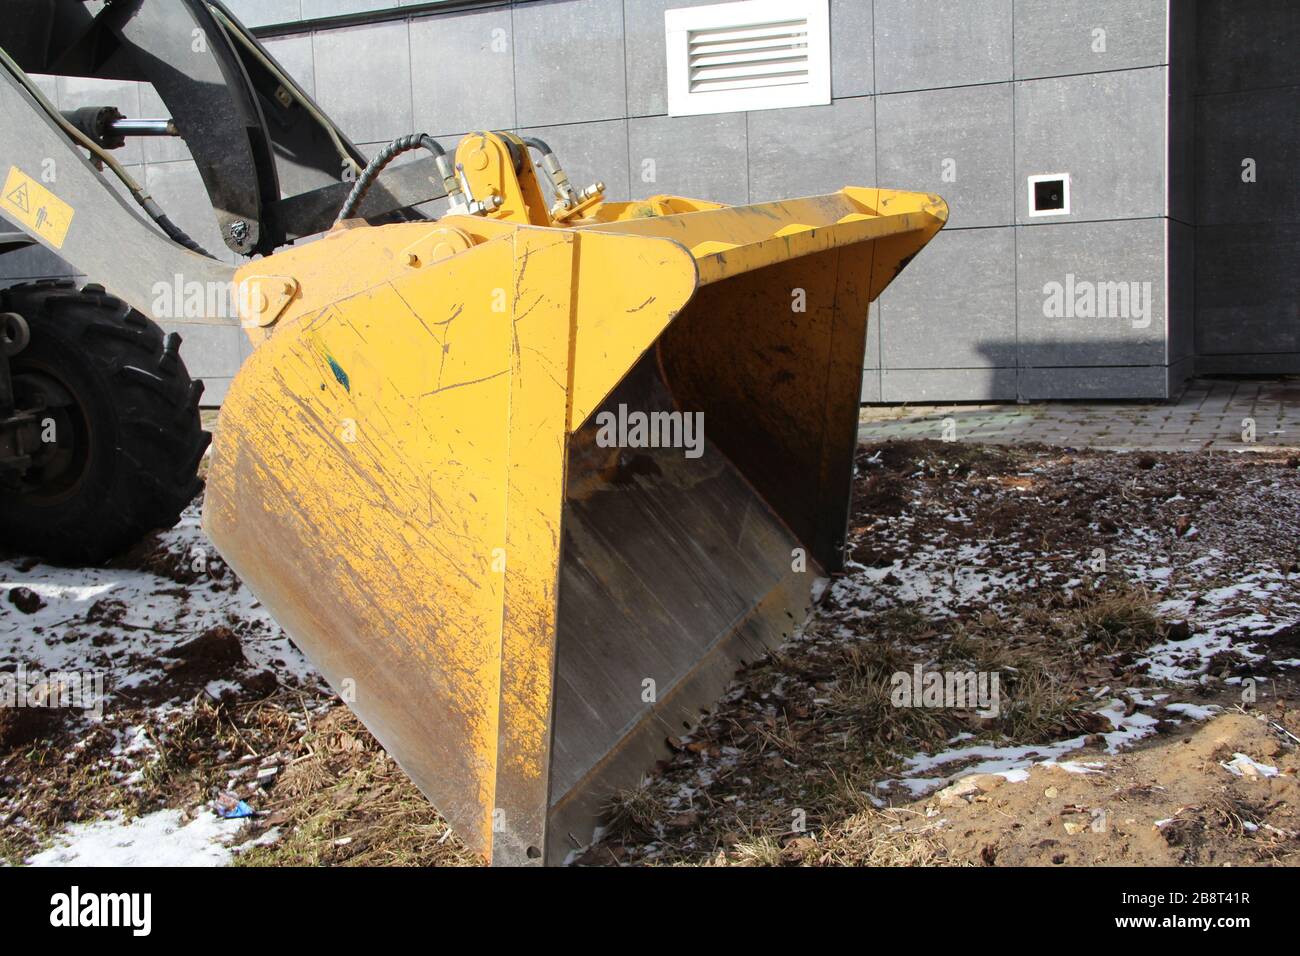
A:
(1213, 413)
(1209, 414)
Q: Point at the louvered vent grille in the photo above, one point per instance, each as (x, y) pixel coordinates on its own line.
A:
(749, 57)
(752, 55)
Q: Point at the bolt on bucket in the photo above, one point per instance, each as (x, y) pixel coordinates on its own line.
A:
(528, 496)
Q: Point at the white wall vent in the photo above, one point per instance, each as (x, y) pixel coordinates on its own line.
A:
(751, 55)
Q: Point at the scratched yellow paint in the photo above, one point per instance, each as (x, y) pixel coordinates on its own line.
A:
(387, 540)
(389, 469)
(537, 435)
(418, 561)
(741, 239)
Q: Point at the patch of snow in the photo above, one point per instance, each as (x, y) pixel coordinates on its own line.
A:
(1183, 662)
(1128, 730)
(1194, 711)
(1076, 766)
(938, 581)
(160, 614)
(916, 786)
(1144, 700)
(158, 839)
(1013, 761)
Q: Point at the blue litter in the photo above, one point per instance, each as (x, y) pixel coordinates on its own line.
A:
(241, 809)
(232, 808)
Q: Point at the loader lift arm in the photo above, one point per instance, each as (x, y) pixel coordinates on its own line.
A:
(275, 167)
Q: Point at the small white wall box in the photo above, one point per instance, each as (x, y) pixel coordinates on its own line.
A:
(752, 55)
(1049, 195)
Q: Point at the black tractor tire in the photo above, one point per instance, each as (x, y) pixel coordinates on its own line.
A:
(129, 436)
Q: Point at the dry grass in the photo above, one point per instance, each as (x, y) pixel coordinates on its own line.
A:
(1041, 705)
(338, 799)
(632, 812)
(880, 838)
(343, 801)
(868, 838)
(863, 699)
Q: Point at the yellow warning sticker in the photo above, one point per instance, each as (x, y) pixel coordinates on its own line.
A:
(27, 201)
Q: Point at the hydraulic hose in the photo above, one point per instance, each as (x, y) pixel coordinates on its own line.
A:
(564, 190)
(390, 152)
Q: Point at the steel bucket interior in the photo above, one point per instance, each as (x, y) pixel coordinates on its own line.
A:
(677, 570)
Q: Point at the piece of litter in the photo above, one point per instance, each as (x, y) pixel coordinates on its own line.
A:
(1242, 765)
(1285, 731)
(230, 807)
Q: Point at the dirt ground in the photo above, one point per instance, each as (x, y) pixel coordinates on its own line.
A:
(1141, 613)
(1187, 798)
(1121, 598)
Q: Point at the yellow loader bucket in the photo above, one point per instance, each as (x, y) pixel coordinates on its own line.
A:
(528, 496)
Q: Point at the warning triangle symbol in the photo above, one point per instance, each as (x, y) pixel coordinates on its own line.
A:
(19, 198)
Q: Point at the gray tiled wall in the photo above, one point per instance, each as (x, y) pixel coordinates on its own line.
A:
(960, 97)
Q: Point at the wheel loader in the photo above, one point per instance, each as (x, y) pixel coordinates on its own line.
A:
(527, 481)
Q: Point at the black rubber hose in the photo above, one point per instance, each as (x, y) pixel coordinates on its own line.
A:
(376, 166)
(560, 183)
(174, 232)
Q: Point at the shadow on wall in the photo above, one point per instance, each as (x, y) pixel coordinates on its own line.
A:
(1114, 363)
(1050, 368)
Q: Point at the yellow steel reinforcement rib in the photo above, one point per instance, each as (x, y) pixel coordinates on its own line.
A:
(733, 240)
(389, 472)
